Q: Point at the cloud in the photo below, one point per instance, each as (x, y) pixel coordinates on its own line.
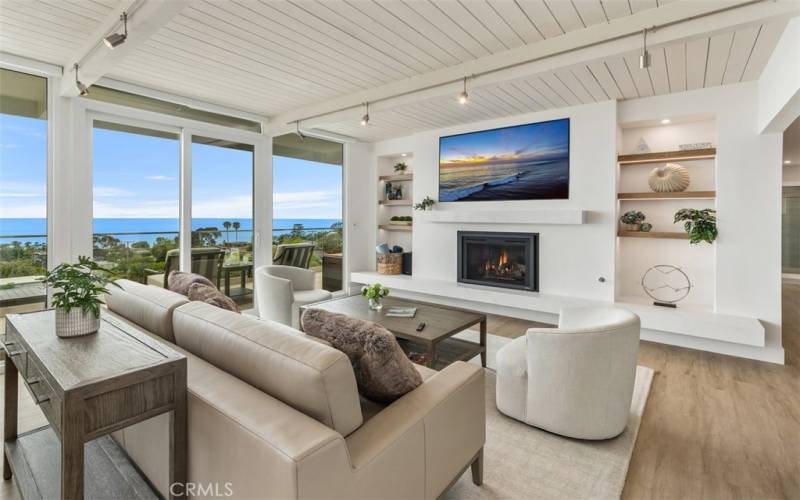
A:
(12, 189)
(159, 178)
(164, 209)
(307, 205)
(9, 145)
(111, 192)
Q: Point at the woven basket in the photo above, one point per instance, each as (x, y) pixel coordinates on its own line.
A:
(390, 263)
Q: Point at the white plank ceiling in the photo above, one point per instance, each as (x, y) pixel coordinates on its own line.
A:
(270, 57)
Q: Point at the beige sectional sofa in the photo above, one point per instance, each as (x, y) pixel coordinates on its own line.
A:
(275, 414)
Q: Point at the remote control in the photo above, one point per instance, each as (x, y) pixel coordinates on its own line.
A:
(421, 326)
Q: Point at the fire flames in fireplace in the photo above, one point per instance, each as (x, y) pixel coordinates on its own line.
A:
(503, 268)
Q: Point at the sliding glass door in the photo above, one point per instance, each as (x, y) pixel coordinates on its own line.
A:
(23, 191)
(222, 214)
(308, 196)
(136, 182)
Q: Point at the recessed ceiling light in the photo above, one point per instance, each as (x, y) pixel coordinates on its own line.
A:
(787, 162)
(404, 154)
(665, 121)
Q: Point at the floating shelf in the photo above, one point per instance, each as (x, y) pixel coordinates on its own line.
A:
(397, 178)
(394, 227)
(653, 234)
(695, 154)
(697, 195)
(397, 203)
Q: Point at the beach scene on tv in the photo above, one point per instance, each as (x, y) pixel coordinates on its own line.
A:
(524, 162)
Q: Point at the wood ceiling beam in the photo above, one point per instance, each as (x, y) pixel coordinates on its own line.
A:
(676, 21)
(145, 17)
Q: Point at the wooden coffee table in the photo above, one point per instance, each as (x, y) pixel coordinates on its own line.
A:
(441, 323)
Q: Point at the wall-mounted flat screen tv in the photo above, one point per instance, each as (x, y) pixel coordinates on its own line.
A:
(523, 162)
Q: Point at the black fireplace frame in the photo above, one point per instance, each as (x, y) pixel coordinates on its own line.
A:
(532, 241)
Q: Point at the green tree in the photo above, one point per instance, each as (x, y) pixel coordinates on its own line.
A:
(206, 236)
(227, 226)
(236, 226)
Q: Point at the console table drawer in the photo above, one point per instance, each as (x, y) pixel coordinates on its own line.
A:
(15, 349)
(43, 395)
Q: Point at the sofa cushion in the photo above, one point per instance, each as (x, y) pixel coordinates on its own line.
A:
(210, 295)
(382, 370)
(148, 306)
(179, 281)
(313, 378)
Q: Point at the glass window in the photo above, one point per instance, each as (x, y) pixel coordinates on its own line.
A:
(23, 191)
(307, 206)
(136, 183)
(222, 215)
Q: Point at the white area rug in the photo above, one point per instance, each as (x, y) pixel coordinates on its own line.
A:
(523, 462)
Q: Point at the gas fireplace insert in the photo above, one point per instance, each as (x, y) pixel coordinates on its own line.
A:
(507, 260)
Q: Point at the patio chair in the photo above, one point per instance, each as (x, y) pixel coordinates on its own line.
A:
(294, 254)
(205, 261)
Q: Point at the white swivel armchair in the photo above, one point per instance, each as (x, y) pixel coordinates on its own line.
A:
(575, 380)
(281, 290)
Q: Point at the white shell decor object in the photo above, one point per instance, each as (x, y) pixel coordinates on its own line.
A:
(75, 323)
(669, 178)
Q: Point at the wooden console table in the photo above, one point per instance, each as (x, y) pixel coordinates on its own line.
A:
(88, 387)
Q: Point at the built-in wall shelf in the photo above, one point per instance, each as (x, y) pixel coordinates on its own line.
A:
(396, 203)
(394, 227)
(689, 320)
(536, 216)
(652, 234)
(684, 195)
(397, 178)
(695, 154)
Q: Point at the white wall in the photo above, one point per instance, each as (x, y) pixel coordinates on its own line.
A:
(572, 257)
(748, 180)
(791, 174)
(779, 84)
(360, 217)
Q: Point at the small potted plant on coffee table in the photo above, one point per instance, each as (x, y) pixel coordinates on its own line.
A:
(77, 296)
(375, 293)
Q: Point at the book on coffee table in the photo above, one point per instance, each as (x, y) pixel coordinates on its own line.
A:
(401, 312)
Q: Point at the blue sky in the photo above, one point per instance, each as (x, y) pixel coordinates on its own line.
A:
(138, 176)
(512, 143)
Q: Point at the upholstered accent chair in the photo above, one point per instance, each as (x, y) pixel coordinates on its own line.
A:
(281, 290)
(575, 380)
(294, 254)
(206, 262)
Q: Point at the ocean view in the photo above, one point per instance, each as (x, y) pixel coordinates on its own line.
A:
(31, 230)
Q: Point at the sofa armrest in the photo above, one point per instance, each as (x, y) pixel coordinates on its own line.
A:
(451, 408)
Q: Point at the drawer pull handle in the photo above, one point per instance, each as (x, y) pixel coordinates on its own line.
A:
(33, 381)
(12, 354)
(10, 343)
(43, 400)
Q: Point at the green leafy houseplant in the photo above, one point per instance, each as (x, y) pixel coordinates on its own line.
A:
(374, 293)
(77, 295)
(700, 225)
(400, 167)
(425, 204)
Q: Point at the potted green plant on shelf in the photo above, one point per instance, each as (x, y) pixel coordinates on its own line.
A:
(374, 293)
(77, 296)
(632, 220)
(425, 204)
(400, 167)
(401, 220)
(700, 225)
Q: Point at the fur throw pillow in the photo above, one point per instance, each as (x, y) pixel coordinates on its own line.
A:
(180, 282)
(210, 295)
(383, 372)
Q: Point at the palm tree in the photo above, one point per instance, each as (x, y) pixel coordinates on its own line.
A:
(227, 226)
(236, 226)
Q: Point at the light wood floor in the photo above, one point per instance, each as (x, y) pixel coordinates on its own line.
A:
(715, 427)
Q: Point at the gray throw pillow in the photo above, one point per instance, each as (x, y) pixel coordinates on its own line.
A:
(383, 372)
(210, 295)
(179, 282)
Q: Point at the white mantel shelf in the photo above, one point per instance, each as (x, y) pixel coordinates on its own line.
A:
(530, 216)
(688, 321)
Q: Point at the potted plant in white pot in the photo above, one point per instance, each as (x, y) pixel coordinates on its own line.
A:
(77, 296)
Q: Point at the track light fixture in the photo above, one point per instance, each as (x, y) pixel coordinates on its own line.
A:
(644, 59)
(114, 40)
(297, 130)
(365, 118)
(463, 97)
(83, 89)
